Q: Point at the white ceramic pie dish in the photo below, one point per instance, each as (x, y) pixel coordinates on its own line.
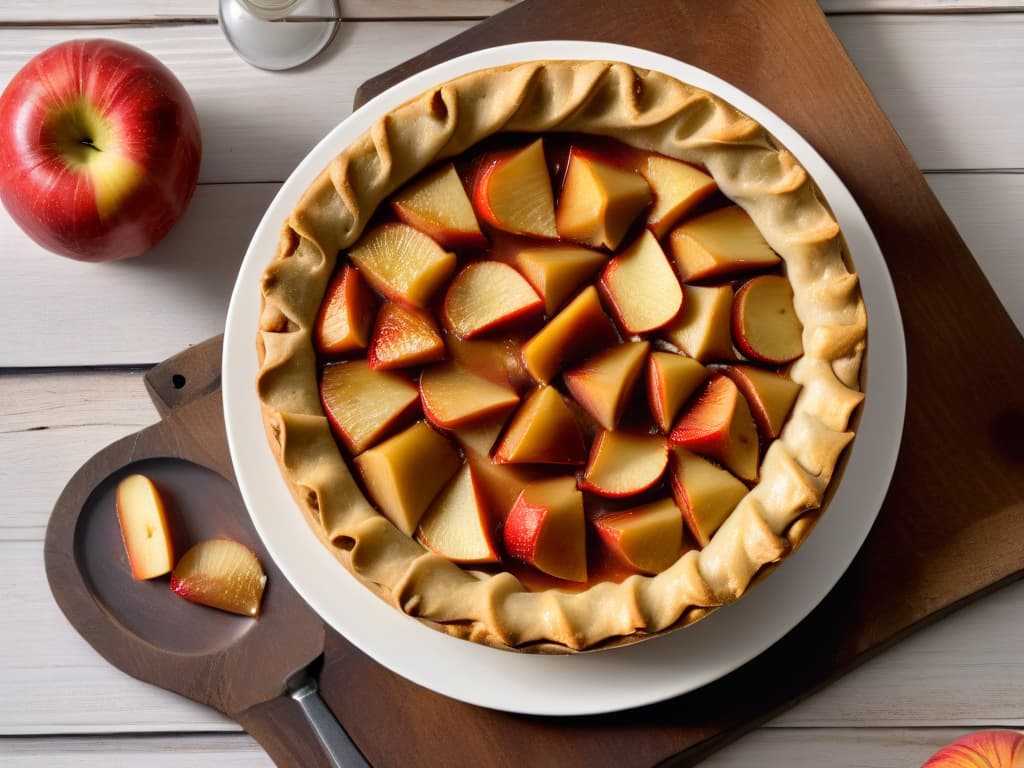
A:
(587, 683)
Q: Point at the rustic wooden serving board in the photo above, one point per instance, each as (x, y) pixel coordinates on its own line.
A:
(951, 524)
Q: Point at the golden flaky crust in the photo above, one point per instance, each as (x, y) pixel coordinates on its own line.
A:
(645, 109)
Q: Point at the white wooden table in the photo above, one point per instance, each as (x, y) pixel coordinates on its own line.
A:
(77, 339)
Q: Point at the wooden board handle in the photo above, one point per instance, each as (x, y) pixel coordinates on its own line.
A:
(187, 376)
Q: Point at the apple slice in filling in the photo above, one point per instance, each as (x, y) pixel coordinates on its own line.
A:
(404, 337)
(438, 205)
(364, 405)
(542, 431)
(648, 538)
(706, 494)
(677, 187)
(603, 384)
(457, 525)
(346, 314)
(488, 296)
(769, 394)
(764, 323)
(701, 329)
(557, 271)
(624, 463)
(512, 192)
(402, 263)
(640, 286)
(671, 379)
(719, 244)
(452, 396)
(546, 528)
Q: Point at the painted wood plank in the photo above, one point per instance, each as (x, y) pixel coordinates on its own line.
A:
(192, 751)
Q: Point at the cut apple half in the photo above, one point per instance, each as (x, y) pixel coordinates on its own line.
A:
(556, 272)
(546, 529)
(221, 573)
(488, 296)
(624, 463)
(438, 206)
(457, 525)
(452, 396)
(403, 337)
(706, 494)
(702, 328)
(647, 539)
(363, 405)
(542, 431)
(717, 424)
(671, 380)
(678, 188)
(346, 314)
(764, 323)
(640, 287)
(770, 396)
(604, 383)
(512, 192)
(599, 201)
(719, 244)
(402, 263)
(142, 517)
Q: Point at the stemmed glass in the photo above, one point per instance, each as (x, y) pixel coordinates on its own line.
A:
(279, 34)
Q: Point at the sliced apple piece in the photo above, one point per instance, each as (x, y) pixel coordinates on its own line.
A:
(678, 188)
(579, 330)
(403, 474)
(648, 538)
(706, 494)
(512, 192)
(501, 484)
(142, 516)
(640, 286)
(363, 405)
(542, 431)
(457, 525)
(557, 271)
(404, 337)
(624, 463)
(671, 379)
(452, 396)
(717, 424)
(221, 573)
(498, 360)
(402, 263)
(438, 206)
(719, 244)
(603, 384)
(702, 328)
(599, 202)
(764, 323)
(346, 313)
(488, 296)
(770, 396)
(546, 528)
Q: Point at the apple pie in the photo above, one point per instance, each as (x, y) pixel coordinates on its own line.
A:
(561, 355)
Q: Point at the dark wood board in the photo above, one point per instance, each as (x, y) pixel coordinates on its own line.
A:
(951, 524)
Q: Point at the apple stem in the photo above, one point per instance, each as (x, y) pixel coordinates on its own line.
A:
(87, 142)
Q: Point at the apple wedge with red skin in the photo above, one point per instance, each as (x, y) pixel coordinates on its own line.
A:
(546, 529)
(346, 314)
(603, 384)
(624, 463)
(488, 296)
(542, 431)
(599, 201)
(770, 395)
(702, 328)
(438, 206)
(223, 574)
(764, 322)
(671, 380)
(512, 192)
(678, 188)
(718, 245)
(404, 337)
(646, 539)
(453, 396)
(402, 263)
(142, 517)
(705, 493)
(457, 525)
(640, 287)
(556, 272)
(717, 423)
(363, 405)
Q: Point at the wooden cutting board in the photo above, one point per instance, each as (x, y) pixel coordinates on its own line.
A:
(951, 524)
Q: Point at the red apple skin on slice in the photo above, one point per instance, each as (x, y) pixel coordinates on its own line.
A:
(512, 192)
(770, 395)
(546, 528)
(671, 379)
(557, 271)
(457, 524)
(402, 263)
(718, 245)
(678, 188)
(363, 405)
(346, 314)
(640, 286)
(764, 322)
(221, 573)
(542, 431)
(624, 463)
(488, 296)
(646, 539)
(717, 423)
(438, 206)
(604, 383)
(453, 397)
(705, 494)
(404, 337)
(142, 517)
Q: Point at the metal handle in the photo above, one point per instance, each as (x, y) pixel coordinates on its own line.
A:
(339, 747)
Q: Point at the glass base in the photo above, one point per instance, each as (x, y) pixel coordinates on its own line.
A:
(277, 45)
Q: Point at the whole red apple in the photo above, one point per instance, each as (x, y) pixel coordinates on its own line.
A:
(99, 149)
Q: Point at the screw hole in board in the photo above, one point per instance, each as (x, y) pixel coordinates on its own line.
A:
(178, 381)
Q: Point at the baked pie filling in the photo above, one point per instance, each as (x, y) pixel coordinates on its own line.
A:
(561, 354)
